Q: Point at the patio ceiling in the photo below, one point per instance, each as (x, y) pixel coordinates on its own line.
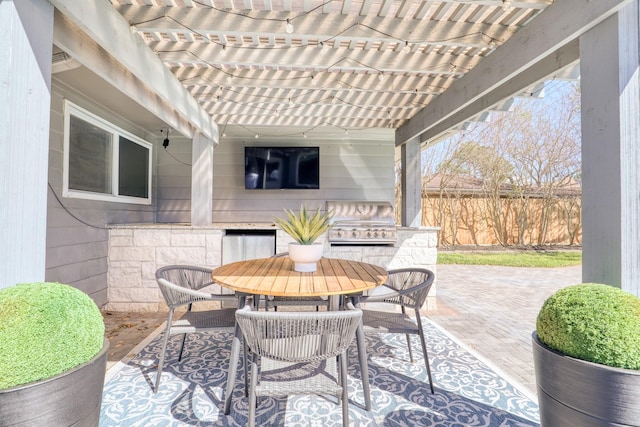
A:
(341, 64)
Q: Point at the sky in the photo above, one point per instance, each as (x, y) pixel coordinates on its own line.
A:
(554, 92)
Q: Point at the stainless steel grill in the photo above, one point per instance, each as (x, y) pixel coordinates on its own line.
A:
(362, 223)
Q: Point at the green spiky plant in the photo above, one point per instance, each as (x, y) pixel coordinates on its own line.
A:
(305, 228)
(46, 329)
(593, 322)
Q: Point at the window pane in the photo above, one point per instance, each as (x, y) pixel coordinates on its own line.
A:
(133, 178)
(89, 157)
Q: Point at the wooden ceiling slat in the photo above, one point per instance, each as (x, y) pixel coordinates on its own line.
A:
(344, 58)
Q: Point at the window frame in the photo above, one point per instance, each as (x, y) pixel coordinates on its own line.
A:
(71, 109)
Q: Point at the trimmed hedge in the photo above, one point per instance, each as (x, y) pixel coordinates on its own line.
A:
(593, 322)
(46, 329)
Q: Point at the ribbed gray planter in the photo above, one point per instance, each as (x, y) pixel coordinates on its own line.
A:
(72, 398)
(572, 392)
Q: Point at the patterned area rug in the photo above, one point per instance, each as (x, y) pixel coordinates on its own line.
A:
(468, 391)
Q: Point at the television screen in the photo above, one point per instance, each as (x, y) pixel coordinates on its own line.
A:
(281, 167)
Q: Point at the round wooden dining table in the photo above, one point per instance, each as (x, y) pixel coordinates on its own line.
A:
(276, 277)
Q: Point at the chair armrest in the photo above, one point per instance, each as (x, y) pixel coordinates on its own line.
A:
(175, 288)
(380, 293)
(394, 293)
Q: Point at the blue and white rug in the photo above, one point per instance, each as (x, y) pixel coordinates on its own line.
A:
(468, 391)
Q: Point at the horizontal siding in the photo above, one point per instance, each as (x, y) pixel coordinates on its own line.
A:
(173, 183)
(349, 169)
(77, 253)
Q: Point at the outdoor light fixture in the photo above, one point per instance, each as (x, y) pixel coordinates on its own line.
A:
(165, 143)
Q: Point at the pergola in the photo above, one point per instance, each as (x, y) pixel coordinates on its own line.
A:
(209, 67)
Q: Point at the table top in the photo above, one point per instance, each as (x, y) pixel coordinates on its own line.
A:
(276, 277)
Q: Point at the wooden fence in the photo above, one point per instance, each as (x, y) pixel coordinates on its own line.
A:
(474, 220)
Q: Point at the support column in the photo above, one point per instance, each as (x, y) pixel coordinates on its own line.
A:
(611, 152)
(26, 38)
(411, 182)
(201, 180)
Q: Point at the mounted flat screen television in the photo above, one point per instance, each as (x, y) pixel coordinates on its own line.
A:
(282, 167)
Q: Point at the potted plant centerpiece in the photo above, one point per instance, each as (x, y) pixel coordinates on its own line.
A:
(53, 356)
(305, 228)
(587, 357)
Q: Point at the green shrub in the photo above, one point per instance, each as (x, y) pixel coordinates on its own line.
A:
(593, 322)
(46, 329)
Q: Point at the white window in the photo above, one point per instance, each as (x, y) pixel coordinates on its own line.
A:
(102, 161)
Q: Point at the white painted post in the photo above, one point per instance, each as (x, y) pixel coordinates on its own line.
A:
(26, 38)
(411, 182)
(201, 180)
(611, 151)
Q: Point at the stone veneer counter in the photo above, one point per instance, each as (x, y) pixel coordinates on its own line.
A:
(136, 251)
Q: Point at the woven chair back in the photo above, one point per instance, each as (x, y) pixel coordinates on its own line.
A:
(413, 284)
(298, 337)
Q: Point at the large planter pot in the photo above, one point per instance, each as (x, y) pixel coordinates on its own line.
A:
(72, 398)
(305, 257)
(573, 392)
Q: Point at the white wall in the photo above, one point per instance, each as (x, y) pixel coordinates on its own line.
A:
(350, 168)
(354, 167)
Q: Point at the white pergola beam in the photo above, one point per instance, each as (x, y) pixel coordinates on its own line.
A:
(26, 29)
(85, 51)
(102, 23)
(525, 49)
(565, 56)
(610, 67)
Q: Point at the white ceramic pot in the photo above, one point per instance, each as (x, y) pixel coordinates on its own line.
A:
(305, 257)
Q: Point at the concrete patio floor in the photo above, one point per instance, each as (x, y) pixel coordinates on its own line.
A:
(492, 310)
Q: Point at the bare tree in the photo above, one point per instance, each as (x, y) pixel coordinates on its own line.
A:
(523, 159)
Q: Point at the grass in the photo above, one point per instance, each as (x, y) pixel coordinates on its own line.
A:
(548, 259)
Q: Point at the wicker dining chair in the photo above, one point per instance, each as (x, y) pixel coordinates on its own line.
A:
(407, 288)
(181, 285)
(276, 301)
(295, 353)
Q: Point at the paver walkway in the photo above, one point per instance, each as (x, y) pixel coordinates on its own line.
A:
(493, 310)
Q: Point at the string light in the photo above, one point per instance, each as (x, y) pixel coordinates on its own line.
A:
(289, 27)
(256, 136)
(324, 46)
